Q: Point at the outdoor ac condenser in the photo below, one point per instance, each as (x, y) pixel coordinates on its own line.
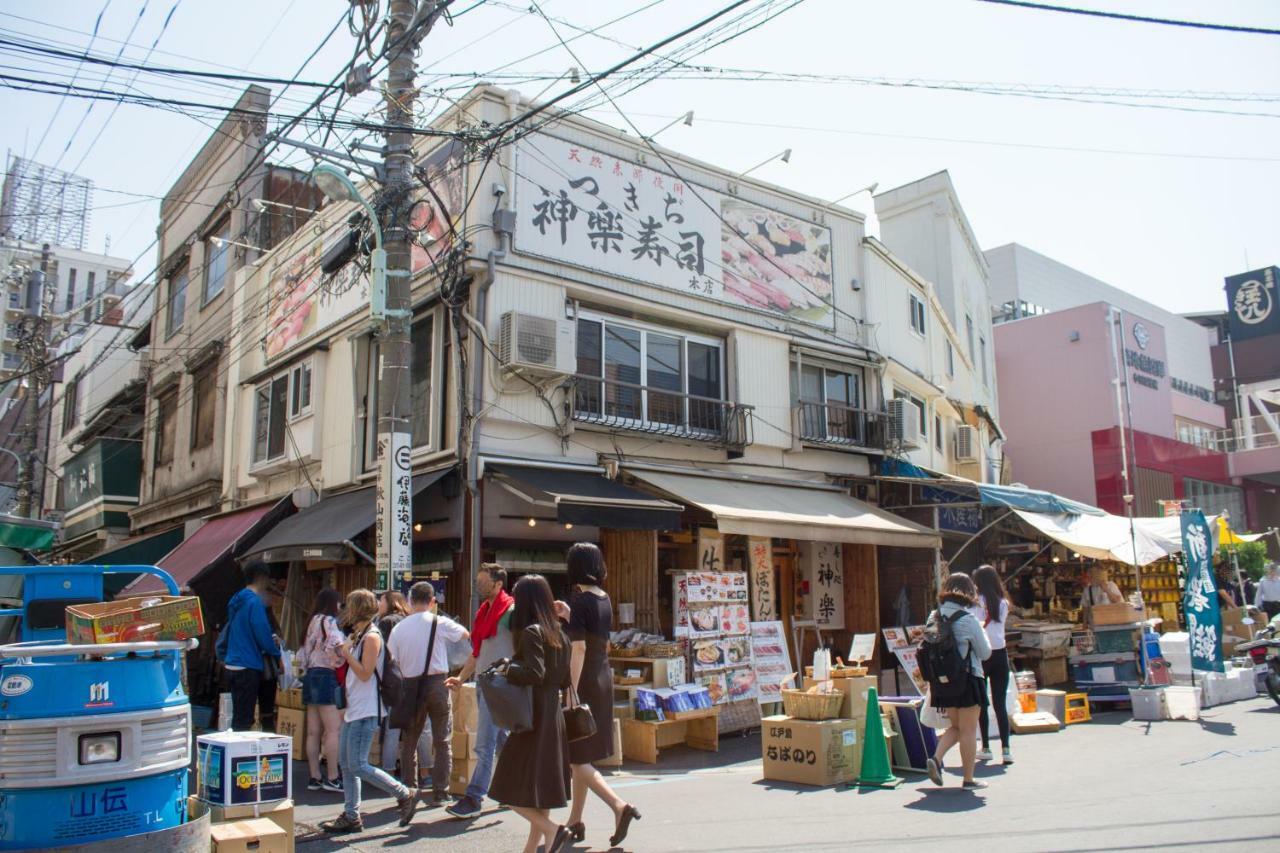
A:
(904, 423)
(966, 443)
(536, 344)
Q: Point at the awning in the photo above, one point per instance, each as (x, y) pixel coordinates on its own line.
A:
(586, 497)
(1033, 500)
(25, 534)
(220, 537)
(322, 531)
(803, 511)
(952, 489)
(1108, 537)
(142, 551)
(1227, 536)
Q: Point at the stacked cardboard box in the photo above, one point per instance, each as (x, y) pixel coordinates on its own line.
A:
(465, 719)
(280, 813)
(812, 752)
(855, 690)
(292, 722)
(258, 835)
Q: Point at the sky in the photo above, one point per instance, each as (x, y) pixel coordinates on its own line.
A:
(1161, 202)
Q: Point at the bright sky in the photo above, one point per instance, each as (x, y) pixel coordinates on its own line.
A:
(1163, 203)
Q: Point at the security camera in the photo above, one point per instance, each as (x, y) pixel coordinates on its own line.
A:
(499, 190)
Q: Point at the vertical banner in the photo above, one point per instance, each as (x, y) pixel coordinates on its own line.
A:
(1204, 617)
(393, 516)
(710, 550)
(764, 606)
(823, 572)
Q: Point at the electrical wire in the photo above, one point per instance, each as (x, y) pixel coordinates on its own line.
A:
(1141, 19)
(97, 23)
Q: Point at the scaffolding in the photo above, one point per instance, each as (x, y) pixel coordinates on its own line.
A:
(41, 204)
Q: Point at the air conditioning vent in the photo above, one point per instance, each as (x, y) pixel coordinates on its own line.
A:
(536, 344)
(966, 443)
(904, 423)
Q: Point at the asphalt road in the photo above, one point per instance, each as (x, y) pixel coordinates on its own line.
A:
(1110, 784)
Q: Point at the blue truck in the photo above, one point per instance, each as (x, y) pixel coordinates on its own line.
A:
(95, 740)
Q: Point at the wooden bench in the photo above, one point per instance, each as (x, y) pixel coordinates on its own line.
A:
(641, 740)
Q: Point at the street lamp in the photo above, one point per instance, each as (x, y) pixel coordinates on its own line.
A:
(336, 186)
(686, 120)
(869, 188)
(785, 157)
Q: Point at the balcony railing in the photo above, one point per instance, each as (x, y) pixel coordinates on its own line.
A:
(659, 411)
(1237, 439)
(841, 426)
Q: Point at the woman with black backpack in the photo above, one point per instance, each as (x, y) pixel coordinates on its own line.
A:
(960, 698)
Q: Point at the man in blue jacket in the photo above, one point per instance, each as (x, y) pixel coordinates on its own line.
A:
(245, 645)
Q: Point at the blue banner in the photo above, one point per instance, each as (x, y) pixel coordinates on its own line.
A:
(1200, 602)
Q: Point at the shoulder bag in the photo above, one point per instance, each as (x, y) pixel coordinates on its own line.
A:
(413, 691)
(510, 705)
(579, 722)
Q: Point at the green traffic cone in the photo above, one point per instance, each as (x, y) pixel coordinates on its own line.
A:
(875, 751)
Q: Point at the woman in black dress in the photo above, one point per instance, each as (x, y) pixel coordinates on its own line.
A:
(590, 619)
(532, 776)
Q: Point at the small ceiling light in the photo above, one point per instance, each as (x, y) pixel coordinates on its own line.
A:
(417, 528)
(568, 526)
(1056, 559)
(533, 522)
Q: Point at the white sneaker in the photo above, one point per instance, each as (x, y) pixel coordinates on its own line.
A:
(984, 755)
(1007, 756)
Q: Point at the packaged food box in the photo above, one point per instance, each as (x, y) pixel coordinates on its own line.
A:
(155, 617)
(811, 752)
(293, 723)
(235, 768)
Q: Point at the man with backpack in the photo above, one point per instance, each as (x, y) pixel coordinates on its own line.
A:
(950, 658)
(419, 646)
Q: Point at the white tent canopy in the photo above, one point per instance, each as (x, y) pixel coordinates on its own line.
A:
(1107, 537)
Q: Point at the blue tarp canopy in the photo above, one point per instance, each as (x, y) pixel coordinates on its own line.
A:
(955, 490)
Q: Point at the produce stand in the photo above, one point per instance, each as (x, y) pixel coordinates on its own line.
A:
(641, 740)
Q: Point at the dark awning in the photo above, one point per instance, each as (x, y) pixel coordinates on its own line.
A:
(586, 497)
(322, 531)
(142, 551)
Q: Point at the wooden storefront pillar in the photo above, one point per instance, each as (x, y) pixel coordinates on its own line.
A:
(862, 594)
(632, 559)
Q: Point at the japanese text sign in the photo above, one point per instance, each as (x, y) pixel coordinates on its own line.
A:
(393, 516)
(760, 571)
(1200, 602)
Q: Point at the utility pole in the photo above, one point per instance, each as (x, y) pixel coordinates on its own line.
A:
(407, 23)
(34, 345)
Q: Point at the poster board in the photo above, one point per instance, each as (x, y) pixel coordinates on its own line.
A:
(712, 609)
(904, 643)
(770, 660)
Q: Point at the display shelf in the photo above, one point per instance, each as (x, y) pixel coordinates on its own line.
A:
(642, 739)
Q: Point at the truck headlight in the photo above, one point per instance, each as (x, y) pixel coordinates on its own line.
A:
(100, 748)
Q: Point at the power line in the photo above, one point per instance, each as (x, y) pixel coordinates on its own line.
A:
(1141, 19)
(53, 118)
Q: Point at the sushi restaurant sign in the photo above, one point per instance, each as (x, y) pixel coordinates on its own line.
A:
(590, 209)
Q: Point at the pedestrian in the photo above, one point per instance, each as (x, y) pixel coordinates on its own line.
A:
(590, 621)
(249, 651)
(418, 644)
(532, 776)
(320, 659)
(958, 594)
(491, 641)
(392, 608)
(363, 652)
(1267, 598)
(1100, 590)
(993, 612)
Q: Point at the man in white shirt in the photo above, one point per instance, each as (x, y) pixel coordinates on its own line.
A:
(419, 632)
(1267, 598)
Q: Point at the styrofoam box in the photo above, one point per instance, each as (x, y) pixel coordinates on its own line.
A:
(236, 768)
(1182, 703)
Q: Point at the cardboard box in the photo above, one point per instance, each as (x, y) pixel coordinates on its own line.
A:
(614, 760)
(1040, 721)
(1049, 670)
(1114, 614)
(466, 715)
(291, 698)
(280, 813)
(258, 835)
(460, 776)
(291, 722)
(155, 617)
(463, 745)
(811, 752)
(854, 706)
(235, 768)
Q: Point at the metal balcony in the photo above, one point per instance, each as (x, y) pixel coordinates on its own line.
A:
(658, 411)
(835, 425)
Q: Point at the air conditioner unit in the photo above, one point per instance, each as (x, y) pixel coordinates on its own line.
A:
(966, 443)
(904, 423)
(536, 344)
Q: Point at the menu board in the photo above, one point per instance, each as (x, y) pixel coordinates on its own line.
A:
(713, 609)
(769, 660)
(904, 643)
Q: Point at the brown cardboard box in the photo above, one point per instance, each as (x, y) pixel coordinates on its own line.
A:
(614, 760)
(465, 713)
(280, 813)
(854, 706)
(1234, 631)
(290, 699)
(1049, 670)
(258, 835)
(464, 744)
(460, 776)
(811, 752)
(292, 722)
(167, 617)
(1114, 614)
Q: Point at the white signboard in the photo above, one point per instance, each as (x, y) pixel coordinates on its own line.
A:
(593, 210)
(769, 659)
(393, 516)
(823, 571)
(764, 607)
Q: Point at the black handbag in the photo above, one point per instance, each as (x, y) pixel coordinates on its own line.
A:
(510, 705)
(579, 722)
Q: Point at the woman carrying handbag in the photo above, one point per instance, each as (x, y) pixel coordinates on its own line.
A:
(532, 776)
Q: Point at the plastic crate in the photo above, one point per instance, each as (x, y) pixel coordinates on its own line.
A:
(1077, 709)
(1182, 703)
(1147, 702)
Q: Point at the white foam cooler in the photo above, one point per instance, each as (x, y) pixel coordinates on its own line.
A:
(238, 768)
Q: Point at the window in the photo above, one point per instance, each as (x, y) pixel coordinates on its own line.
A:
(87, 315)
(166, 426)
(300, 390)
(216, 261)
(937, 431)
(899, 394)
(204, 394)
(422, 341)
(982, 357)
(917, 314)
(968, 328)
(648, 377)
(1214, 498)
(177, 308)
(831, 405)
(269, 401)
(71, 290)
(951, 359)
(71, 405)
